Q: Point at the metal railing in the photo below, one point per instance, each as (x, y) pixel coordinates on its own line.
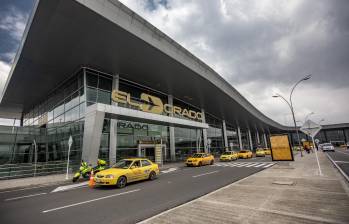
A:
(20, 170)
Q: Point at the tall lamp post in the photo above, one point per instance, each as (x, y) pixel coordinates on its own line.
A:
(290, 104)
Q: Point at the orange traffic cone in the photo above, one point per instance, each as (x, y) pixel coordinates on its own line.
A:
(91, 182)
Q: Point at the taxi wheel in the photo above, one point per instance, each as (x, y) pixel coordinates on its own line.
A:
(121, 183)
(152, 175)
(200, 164)
(211, 163)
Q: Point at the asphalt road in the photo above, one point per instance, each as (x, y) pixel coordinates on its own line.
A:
(131, 204)
(341, 158)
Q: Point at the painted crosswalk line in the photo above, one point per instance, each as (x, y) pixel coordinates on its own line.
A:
(245, 164)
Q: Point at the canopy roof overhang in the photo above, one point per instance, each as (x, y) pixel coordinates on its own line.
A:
(63, 35)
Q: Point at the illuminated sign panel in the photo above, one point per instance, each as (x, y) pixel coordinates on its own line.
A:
(281, 148)
(154, 105)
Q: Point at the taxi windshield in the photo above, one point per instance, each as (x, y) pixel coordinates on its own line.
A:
(260, 150)
(123, 164)
(243, 151)
(198, 155)
(227, 153)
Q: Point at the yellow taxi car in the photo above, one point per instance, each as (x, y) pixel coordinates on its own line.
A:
(245, 154)
(229, 156)
(126, 171)
(260, 152)
(200, 159)
(267, 151)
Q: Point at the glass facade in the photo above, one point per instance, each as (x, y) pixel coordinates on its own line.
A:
(214, 135)
(187, 142)
(245, 139)
(233, 138)
(22, 147)
(131, 134)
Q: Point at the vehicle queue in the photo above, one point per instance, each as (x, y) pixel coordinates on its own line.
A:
(136, 169)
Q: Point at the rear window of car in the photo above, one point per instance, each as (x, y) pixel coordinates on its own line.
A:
(243, 151)
(327, 144)
(198, 155)
(145, 163)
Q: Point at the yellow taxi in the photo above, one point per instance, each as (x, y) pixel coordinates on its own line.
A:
(200, 159)
(126, 171)
(260, 152)
(267, 151)
(245, 154)
(229, 156)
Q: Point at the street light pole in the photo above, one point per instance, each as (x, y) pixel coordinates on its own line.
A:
(290, 104)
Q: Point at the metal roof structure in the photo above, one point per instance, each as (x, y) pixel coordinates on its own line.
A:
(64, 35)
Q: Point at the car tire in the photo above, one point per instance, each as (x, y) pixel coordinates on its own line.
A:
(200, 164)
(75, 179)
(212, 162)
(122, 181)
(152, 175)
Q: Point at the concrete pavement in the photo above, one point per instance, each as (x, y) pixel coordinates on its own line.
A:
(281, 194)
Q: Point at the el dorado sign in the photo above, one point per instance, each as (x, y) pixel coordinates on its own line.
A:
(154, 104)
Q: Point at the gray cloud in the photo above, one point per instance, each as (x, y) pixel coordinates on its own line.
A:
(263, 46)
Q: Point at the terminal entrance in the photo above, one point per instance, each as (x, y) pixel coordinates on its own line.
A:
(153, 151)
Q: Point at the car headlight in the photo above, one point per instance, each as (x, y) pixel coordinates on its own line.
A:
(109, 176)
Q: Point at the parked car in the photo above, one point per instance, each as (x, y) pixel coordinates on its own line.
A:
(267, 151)
(260, 152)
(245, 154)
(327, 147)
(200, 159)
(126, 171)
(229, 156)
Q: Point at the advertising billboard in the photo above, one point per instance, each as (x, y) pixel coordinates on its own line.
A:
(281, 148)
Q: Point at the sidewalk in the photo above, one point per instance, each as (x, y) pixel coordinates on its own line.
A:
(281, 194)
(55, 179)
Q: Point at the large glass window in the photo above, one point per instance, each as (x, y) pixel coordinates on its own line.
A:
(99, 87)
(62, 100)
(233, 138)
(214, 135)
(131, 133)
(187, 142)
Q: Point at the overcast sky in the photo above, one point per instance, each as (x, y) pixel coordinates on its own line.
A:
(260, 47)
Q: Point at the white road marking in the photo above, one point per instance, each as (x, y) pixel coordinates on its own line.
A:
(26, 196)
(343, 152)
(341, 161)
(23, 189)
(169, 170)
(246, 164)
(89, 201)
(270, 164)
(203, 174)
(69, 187)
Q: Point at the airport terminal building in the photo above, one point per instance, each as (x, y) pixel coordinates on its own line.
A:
(98, 72)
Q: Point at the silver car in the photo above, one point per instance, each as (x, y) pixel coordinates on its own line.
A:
(327, 147)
